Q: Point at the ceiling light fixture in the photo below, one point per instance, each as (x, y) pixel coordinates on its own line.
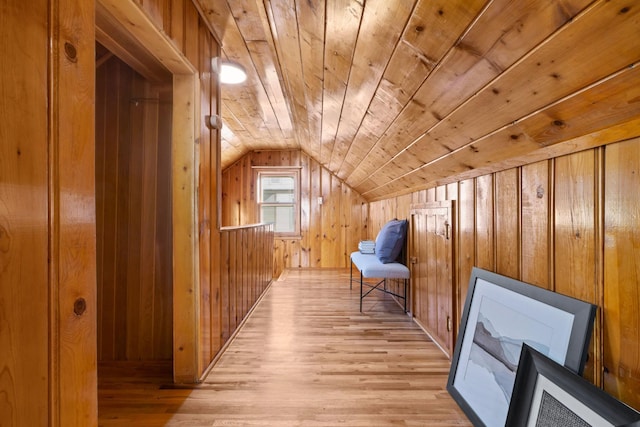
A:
(232, 73)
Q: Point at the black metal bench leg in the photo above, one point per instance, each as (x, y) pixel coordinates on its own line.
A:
(405, 295)
(351, 277)
(361, 292)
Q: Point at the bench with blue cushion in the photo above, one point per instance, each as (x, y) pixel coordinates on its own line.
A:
(385, 263)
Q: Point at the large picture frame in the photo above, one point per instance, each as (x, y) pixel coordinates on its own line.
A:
(500, 314)
(548, 394)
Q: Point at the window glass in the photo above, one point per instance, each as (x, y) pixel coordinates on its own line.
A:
(277, 199)
(278, 189)
(281, 216)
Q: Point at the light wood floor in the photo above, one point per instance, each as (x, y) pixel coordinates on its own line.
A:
(305, 357)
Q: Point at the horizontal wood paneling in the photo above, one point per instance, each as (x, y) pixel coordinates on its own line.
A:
(329, 231)
(133, 160)
(541, 223)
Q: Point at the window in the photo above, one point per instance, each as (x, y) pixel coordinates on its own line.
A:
(278, 200)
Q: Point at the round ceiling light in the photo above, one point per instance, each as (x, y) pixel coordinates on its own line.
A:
(232, 73)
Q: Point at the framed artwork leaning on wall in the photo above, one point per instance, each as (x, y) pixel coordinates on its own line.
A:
(500, 315)
(546, 393)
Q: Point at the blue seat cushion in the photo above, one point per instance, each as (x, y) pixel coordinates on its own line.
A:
(390, 240)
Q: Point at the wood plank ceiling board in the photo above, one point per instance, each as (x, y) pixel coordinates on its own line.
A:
(342, 24)
(382, 25)
(256, 105)
(518, 92)
(430, 33)
(254, 28)
(611, 102)
(623, 131)
(491, 45)
(263, 59)
(239, 102)
(284, 27)
(248, 101)
(311, 18)
(392, 95)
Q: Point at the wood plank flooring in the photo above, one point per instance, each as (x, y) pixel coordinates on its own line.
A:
(305, 357)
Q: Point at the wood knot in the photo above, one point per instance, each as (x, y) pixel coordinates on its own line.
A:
(80, 306)
(559, 123)
(70, 52)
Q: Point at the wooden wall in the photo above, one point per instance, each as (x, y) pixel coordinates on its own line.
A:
(247, 266)
(133, 215)
(208, 193)
(47, 218)
(570, 224)
(329, 232)
(47, 192)
(175, 35)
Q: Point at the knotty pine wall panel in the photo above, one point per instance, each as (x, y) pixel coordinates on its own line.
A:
(507, 236)
(47, 214)
(24, 300)
(208, 153)
(484, 223)
(133, 204)
(329, 231)
(569, 224)
(622, 271)
(535, 222)
(575, 222)
(575, 219)
(465, 241)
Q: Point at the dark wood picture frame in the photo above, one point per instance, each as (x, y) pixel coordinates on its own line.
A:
(547, 392)
(500, 314)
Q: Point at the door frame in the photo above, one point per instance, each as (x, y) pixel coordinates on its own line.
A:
(184, 175)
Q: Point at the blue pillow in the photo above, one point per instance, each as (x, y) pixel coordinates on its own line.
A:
(390, 240)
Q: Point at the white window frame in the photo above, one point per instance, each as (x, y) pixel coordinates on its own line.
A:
(281, 172)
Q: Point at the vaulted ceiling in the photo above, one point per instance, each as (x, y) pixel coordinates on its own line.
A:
(398, 95)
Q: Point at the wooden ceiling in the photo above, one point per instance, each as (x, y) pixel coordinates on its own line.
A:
(398, 95)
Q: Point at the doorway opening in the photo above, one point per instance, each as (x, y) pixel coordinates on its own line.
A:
(133, 140)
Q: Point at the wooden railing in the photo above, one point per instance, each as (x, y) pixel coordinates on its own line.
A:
(247, 264)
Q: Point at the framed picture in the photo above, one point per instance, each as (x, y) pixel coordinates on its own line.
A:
(500, 314)
(546, 393)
